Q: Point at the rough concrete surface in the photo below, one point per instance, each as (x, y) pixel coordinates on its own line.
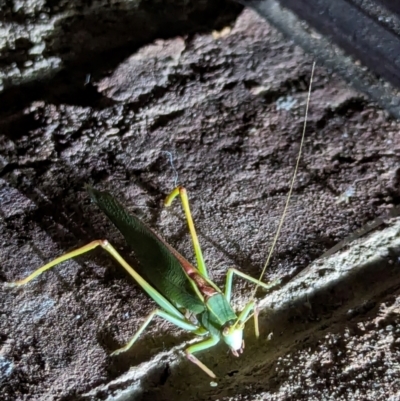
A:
(230, 107)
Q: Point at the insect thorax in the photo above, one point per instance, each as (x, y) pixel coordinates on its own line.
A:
(217, 315)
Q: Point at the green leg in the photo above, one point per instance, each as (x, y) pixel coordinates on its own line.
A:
(151, 291)
(208, 343)
(243, 317)
(245, 312)
(229, 278)
(185, 203)
(157, 312)
(251, 305)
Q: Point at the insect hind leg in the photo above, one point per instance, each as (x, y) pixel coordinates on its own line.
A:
(150, 290)
(60, 259)
(181, 191)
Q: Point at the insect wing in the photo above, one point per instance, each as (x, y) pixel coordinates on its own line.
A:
(157, 264)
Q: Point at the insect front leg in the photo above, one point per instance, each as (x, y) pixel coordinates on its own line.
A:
(251, 305)
(208, 343)
(183, 324)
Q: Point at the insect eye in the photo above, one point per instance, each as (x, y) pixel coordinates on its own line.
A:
(225, 332)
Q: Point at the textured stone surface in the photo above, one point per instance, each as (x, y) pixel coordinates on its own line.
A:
(230, 107)
(39, 39)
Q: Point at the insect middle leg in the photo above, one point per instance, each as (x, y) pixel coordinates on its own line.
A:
(206, 344)
(183, 324)
(229, 279)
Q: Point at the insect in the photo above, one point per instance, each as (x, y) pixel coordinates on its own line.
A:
(172, 282)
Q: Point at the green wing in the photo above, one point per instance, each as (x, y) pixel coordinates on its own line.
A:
(157, 264)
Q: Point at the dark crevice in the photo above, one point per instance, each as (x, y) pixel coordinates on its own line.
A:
(164, 119)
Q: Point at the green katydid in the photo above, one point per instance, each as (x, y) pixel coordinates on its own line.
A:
(172, 282)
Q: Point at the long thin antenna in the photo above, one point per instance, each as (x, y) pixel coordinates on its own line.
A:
(171, 161)
(291, 185)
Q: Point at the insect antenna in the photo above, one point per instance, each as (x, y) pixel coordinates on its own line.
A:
(171, 161)
(291, 187)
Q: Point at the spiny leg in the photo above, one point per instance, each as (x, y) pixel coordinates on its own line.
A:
(206, 344)
(151, 291)
(183, 324)
(185, 204)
